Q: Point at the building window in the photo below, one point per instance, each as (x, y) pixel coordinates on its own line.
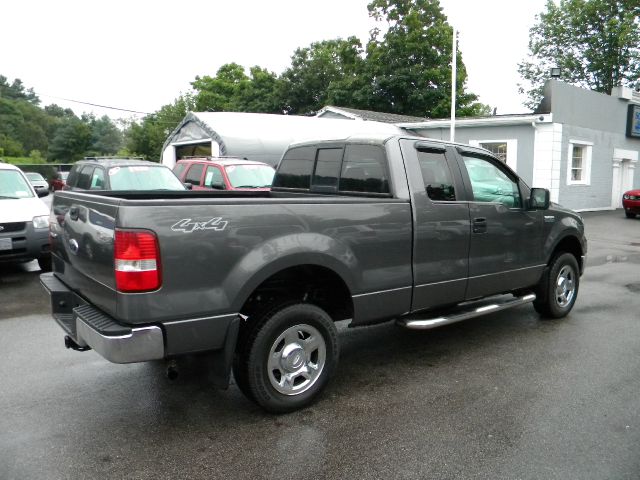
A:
(499, 149)
(579, 163)
(504, 149)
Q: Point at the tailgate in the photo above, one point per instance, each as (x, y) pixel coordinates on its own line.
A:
(82, 232)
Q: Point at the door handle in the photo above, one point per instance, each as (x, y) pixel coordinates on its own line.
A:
(479, 225)
(74, 212)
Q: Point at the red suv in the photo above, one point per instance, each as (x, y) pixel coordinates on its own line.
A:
(631, 203)
(224, 173)
(58, 181)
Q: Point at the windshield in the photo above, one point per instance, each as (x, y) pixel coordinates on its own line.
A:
(33, 176)
(250, 176)
(13, 185)
(143, 177)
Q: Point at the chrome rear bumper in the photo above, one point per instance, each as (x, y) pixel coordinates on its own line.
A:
(88, 326)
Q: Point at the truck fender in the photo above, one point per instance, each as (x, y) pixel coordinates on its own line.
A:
(278, 254)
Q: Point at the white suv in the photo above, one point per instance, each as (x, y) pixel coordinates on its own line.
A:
(24, 220)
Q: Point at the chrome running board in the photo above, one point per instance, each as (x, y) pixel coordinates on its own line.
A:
(464, 312)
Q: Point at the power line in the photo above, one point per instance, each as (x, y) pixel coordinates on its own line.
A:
(94, 104)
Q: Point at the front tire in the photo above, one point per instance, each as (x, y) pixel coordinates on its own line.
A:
(630, 214)
(287, 357)
(558, 289)
(45, 263)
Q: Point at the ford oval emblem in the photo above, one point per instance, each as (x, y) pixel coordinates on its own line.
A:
(73, 246)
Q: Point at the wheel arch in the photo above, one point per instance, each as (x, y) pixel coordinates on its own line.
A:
(312, 278)
(570, 244)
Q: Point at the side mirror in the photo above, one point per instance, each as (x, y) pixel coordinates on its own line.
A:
(218, 186)
(539, 199)
(43, 192)
(188, 186)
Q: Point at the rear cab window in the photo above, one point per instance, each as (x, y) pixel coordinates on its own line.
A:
(364, 170)
(351, 169)
(294, 172)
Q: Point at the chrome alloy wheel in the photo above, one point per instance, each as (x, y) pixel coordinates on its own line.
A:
(565, 286)
(296, 359)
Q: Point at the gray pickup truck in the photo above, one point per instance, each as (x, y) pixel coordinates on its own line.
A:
(365, 229)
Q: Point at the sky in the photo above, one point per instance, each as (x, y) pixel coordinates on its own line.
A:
(140, 55)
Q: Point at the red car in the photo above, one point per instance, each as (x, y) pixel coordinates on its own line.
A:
(224, 173)
(59, 181)
(631, 203)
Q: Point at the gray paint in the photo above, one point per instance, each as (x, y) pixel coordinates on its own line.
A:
(599, 119)
(373, 244)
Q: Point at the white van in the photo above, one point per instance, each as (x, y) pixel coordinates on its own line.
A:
(24, 220)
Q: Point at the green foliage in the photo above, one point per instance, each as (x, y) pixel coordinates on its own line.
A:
(596, 43)
(405, 70)
(410, 64)
(71, 141)
(146, 138)
(50, 132)
(16, 91)
(106, 138)
(327, 72)
(231, 90)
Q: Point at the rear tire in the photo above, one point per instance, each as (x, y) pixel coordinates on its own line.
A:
(286, 358)
(558, 289)
(630, 214)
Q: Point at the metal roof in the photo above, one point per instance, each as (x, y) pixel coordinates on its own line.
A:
(370, 115)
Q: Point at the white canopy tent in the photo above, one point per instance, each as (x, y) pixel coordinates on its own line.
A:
(257, 136)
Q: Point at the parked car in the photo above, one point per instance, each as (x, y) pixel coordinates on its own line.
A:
(58, 181)
(631, 203)
(37, 181)
(365, 229)
(24, 219)
(111, 173)
(221, 173)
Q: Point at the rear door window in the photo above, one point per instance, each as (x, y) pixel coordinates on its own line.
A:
(194, 174)
(213, 178)
(436, 175)
(178, 169)
(364, 170)
(84, 177)
(97, 179)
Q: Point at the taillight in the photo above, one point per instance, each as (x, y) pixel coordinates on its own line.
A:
(137, 261)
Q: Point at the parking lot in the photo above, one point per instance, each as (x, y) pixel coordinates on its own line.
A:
(505, 396)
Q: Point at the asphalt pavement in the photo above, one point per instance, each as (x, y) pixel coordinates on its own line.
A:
(505, 396)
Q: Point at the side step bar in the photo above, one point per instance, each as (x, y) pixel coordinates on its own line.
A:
(464, 312)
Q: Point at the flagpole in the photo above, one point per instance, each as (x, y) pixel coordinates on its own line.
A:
(454, 58)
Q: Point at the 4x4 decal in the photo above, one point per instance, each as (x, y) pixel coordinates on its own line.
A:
(187, 225)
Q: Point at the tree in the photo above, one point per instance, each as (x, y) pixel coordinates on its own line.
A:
(595, 43)
(71, 140)
(147, 137)
(327, 72)
(16, 91)
(410, 64)
(231, 90)
(106, 138)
